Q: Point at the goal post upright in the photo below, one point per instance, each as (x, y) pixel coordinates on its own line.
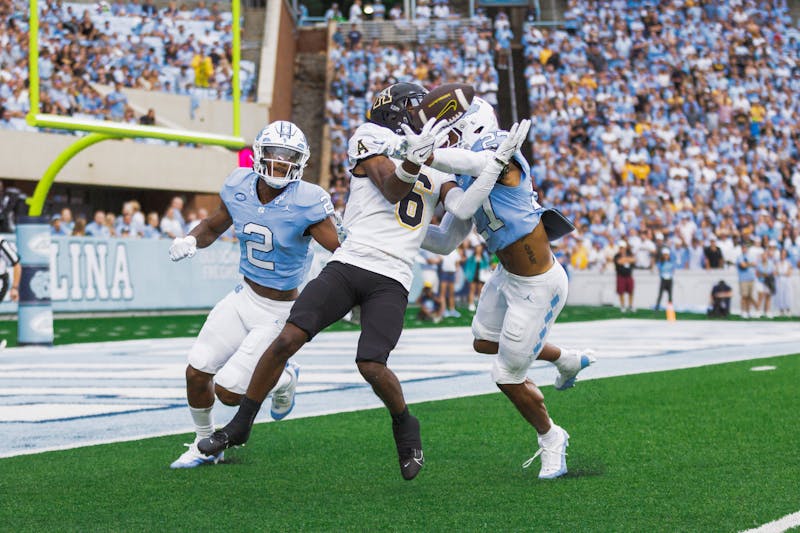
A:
(116, 130)
(35, 317)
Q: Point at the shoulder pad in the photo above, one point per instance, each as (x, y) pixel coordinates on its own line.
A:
(370, 139)
(239, 176)
(310, 194)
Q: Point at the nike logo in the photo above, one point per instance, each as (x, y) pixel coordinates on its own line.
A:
(419, 462)
(452, 105)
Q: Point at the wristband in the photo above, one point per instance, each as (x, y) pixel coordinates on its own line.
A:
(404, 175)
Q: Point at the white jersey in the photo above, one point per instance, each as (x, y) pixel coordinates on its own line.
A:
(383, 237)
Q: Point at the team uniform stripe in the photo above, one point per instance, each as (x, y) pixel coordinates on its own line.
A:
(462, 100)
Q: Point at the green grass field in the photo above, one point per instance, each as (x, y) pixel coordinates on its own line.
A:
(705, 449)
(72, 330)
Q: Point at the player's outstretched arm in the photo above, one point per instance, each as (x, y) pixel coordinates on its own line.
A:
(325, 233)
(395, 182)
(460, 161)
(463, 204)
(446, 237)
(208, 231)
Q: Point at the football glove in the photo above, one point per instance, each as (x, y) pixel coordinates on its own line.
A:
(341, 231)
(183, 247)
(517, 136)
(422, 145)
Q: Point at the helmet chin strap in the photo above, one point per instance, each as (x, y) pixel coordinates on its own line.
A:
(273, 184)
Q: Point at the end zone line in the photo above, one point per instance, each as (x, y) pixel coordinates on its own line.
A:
(778, 526)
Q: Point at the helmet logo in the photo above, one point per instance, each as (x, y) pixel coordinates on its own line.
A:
(285, 130)
(385, 97)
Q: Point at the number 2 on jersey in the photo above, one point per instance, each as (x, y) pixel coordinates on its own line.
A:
(252, 228)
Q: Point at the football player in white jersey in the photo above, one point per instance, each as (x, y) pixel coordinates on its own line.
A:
(527, 291)
(275, 215)
(391, 202)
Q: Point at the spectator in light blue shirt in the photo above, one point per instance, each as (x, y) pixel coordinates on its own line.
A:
(116, 102)
(745, 267)
(97, 227)
(666, 272)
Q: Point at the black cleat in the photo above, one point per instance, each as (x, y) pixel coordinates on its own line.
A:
(222, 439)
(409, 447)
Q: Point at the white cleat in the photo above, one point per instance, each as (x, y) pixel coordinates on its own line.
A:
(577, 362)
(283, 400)
(193, 458)
(554, 455)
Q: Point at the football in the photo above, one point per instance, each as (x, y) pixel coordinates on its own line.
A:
(445, 103)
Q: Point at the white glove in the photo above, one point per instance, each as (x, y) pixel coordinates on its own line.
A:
(422, 145)
(341, 231)
(183, 247)
(517, 136)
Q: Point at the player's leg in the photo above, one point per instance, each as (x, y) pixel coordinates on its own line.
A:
(488, 323)
(218, 339)
(488, 320)
(265, 318)
(325, 299)
(533, 305)
(383, 306)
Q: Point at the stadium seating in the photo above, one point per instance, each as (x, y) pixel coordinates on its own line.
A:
(103, 44)
(645, 121)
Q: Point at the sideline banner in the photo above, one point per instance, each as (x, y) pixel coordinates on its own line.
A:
(35, 313)
(94, 274)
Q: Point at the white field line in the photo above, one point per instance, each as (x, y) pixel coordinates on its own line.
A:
(778, 526)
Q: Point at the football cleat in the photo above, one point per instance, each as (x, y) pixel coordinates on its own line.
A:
(222, 439)
(576, 362)
(409, 447)
(283, 400)
(554, 455)
(193, 458)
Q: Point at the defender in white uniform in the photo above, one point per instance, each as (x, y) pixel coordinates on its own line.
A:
(391, 202)
(275, 216)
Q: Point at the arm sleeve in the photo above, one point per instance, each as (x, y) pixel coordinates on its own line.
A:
(463, 204)
(446, 237)
(460, 161)
(9, 252)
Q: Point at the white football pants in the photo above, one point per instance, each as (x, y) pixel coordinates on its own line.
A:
(518, 313)
(237, 331)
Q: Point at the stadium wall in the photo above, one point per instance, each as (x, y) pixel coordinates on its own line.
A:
(88, 274)
(104, 275)
(691, 289)
(117, 163)
(209, 116)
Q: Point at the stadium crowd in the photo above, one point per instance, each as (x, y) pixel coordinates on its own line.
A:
(668, 127)
(132, 222)
(660, 126)
(121, 45)
(671, 126)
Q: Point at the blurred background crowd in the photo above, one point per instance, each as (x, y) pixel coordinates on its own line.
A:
(669, 128)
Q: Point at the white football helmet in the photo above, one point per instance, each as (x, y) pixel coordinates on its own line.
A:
(280, 152)
(476, 122)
